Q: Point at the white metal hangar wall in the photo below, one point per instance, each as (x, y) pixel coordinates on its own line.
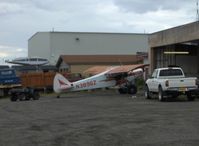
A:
(51, 45)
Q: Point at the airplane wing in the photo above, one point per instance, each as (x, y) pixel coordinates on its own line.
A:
(96, 70)
(122, 71)
(114, 70)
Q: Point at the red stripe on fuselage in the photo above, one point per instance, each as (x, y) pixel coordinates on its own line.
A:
(62, 83)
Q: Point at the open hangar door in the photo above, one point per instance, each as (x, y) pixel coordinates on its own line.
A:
(184, 55)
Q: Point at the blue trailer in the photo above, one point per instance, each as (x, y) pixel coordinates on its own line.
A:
(8, 80)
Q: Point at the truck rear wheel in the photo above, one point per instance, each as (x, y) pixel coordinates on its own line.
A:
(190, 97)
(160, 94)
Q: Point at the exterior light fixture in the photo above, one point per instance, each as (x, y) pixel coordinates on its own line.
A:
(178, 53)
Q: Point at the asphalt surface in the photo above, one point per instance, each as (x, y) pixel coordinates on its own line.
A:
(100, 118)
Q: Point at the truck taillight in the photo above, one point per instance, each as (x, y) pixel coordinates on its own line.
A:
(167, 83)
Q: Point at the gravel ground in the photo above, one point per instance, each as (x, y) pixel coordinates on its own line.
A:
(99, 118)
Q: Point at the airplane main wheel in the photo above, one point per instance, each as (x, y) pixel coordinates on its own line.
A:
(122, 90)
(132, 89)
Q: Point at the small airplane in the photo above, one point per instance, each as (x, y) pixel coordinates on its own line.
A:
(112, 76)
(33, 61)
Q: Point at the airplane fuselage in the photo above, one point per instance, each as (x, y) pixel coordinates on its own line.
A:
(101, 80)
(97, 81)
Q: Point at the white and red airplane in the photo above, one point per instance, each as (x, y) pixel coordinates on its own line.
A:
(112, 76)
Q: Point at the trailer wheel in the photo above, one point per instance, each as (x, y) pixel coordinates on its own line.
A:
(36, 96)
(22, 97)
(13, 98)
(27, 97)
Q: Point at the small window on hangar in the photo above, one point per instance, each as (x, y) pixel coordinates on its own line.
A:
(177, 46)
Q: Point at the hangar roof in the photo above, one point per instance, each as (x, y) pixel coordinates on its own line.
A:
(179, 34)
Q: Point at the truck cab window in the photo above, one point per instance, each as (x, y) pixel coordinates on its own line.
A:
(171, 72)
(154, 75)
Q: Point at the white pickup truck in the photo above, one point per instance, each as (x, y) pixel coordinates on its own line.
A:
(171, 82)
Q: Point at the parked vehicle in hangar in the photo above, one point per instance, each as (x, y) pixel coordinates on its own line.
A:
(171, 82)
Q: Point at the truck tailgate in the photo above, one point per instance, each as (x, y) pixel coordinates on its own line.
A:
(182, 82)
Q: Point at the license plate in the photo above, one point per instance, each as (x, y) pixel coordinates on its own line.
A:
(182, 89)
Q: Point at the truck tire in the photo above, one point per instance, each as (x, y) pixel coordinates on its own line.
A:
(147, 92)
(160, 94)
(190, 97)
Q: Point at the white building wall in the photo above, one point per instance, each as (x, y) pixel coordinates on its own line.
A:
(76, 43)
(39, 45)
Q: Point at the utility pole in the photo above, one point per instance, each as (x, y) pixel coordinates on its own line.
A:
(197, 11)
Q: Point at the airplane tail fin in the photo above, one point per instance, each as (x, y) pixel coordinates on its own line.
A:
(61, 84)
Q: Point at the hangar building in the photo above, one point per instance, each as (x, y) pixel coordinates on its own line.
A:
(51, 45)
(178, 46)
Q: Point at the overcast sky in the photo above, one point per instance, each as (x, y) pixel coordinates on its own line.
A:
(20, 19)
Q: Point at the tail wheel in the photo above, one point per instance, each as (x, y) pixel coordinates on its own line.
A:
(160, 94)
(147, 92)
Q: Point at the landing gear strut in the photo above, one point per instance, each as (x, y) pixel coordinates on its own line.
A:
(130, 89)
